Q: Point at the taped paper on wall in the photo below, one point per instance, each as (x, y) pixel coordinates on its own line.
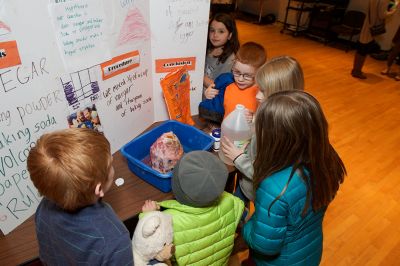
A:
(120, 64)
(172, 64)
(9, 55)
(81, 32)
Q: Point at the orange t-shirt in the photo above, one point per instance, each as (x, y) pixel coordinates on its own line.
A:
(234, 95)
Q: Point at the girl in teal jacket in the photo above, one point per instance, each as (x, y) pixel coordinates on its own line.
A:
(297, 173)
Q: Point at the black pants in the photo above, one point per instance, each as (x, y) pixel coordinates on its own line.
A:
(367, 48)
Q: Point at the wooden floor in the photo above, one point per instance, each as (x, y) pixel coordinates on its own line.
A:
(362, 225)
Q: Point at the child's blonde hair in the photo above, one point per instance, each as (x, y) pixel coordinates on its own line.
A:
(66, 165)
(252, 54)
(279, 74)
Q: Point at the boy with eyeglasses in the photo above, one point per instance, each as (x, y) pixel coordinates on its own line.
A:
(243, 90)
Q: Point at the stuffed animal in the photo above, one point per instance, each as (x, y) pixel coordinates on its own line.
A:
(152, 240)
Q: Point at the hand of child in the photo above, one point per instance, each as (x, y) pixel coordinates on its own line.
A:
(207, 81)
(249, 115)
(248, 216)
(229, 149)
(392, 8)
(150, 205)
(211, 92)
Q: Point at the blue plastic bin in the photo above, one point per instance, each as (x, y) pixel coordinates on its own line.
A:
(138, 149)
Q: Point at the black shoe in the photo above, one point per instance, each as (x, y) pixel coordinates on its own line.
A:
(358, 74)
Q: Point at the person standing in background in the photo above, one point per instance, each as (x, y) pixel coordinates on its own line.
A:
(392, 56)
(376, 13)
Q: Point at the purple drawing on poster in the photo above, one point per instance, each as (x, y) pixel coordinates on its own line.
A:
(134, 28)
(79, 87)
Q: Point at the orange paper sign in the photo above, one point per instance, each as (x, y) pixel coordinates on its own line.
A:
(9, 55)
(172, 64)
(120, 64)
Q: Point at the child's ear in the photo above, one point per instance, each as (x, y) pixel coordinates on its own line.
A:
(98, 191)
(230, 36)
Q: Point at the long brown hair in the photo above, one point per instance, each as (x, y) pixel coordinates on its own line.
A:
(292, 131)
(232, 45)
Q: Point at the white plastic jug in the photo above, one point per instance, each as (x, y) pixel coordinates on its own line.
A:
(236, 128)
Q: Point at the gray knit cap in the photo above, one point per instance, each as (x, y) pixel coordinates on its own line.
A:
(199, 178)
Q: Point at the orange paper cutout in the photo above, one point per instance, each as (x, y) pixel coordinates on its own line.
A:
(172, 64)
(120, 64)
(9, 55)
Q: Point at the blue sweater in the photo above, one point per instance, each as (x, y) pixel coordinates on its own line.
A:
(284, 237)
(92, 236)
(214, 109)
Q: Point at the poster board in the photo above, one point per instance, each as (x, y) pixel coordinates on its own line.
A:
(86, 63)
(178, 41)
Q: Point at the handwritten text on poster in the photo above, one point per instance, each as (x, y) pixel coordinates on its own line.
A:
(81, 32)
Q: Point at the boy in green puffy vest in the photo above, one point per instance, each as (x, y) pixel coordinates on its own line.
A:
(204, 216)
